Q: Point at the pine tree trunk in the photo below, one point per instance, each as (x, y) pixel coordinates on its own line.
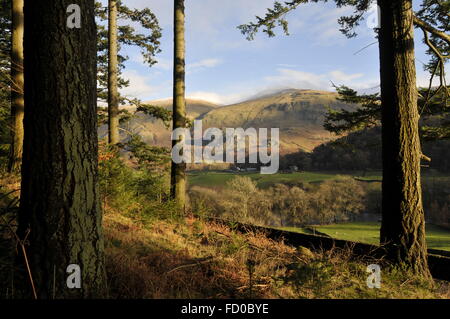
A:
(17, 100)
(60, 205)
(403, 222)
(178, 178)
(113, 95)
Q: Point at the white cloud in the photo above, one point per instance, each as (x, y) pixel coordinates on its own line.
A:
(209, 18)
(207, 63)
(202, 64)
(308, 80)
(342, 77)
(287, 78)
(139, 84)
(283, 65)
(326, 27)
(296, 79)
(221, 99)
(138, 58)
(203, 15)
(164, 64)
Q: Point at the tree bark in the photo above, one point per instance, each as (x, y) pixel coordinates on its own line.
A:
(178, 178)
(60, 207)
(17, 85)
(113, 95)
(403, 222)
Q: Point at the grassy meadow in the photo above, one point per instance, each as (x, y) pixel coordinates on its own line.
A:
(218, 179)
(369, 233)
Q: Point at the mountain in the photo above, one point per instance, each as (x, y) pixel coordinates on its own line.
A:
(299, 114)
(194, 107)
(153, 130)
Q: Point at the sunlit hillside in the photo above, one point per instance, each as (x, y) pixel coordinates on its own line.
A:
(298, 113)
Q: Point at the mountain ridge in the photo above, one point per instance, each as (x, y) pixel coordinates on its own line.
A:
(298, 113)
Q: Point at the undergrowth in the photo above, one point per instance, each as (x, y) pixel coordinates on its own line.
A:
(200, 259)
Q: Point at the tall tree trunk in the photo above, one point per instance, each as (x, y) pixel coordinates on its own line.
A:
(60, 207)
(113, 69)
(178, 177)
(17, 100)
(403, 223)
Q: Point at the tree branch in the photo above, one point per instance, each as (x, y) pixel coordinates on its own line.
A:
(425, 158)
(425, 26)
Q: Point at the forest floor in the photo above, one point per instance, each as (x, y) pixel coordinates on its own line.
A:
(191, 258)
(184, 257)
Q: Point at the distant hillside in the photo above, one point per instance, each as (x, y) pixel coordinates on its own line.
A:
(361, 150)
(153, 130)
(194, 107)
(299, 114)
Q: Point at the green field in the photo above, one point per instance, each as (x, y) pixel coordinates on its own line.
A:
(437, 237)
(218, 179)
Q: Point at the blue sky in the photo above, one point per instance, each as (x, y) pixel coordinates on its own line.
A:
(223, 67)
